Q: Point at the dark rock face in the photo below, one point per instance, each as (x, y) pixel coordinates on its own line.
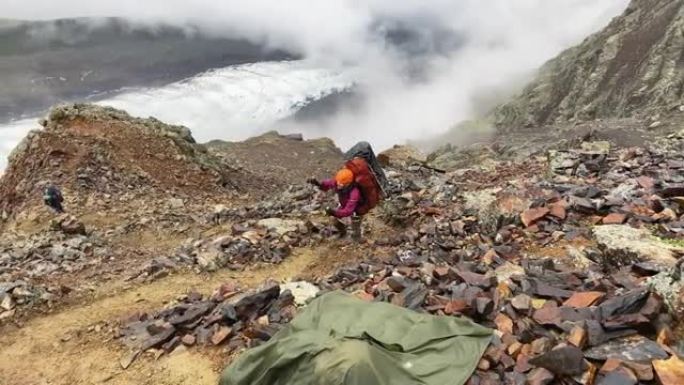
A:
(617, 72)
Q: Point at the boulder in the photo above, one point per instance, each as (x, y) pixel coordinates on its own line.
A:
(401, 156)
(209, 260)
(623, 245)
(635, 348)
(494, 208)
(301, 290)
(68, 224)
(669, 285)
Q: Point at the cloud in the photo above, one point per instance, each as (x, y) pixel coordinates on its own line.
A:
(422, 65)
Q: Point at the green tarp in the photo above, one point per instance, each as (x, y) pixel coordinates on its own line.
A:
(339, 339)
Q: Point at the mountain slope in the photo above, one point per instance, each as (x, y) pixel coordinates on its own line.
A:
(102, 154)
(634, 67)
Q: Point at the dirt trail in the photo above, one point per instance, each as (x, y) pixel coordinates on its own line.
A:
(58, 349)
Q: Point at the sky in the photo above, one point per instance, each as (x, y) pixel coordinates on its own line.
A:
(462, 51)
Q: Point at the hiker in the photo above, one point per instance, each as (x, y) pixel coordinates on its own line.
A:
(358, 186)
(349, 196)
(53, 198)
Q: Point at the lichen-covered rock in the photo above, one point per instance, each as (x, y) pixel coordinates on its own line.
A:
(670, 286)
(622, 245)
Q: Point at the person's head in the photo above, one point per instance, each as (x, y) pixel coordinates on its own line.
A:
(344, 178)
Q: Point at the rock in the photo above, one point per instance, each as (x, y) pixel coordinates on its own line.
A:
(669, 372)
(584, 299)
(191, 313)
(494, 208)
(567, 360)
(595, 148)
(128, 359)
(221, 334)
(643, 371)
(610, 365)
(7, 302)
(619, 376)
(582, 205)
(521, 302)
(589, 375)
(635, 348)
(504, 323)
(159, 338)
(176, 203)
(68, 224)
(209, 260)
(455, 306)
(558, 209)
(531, 216)
(401, 156)
(622, 245)
(296, 137)
(614, 219)
(281, 226)
(475, 279)
(630, 302)
(578, 336)
(507, 270)
(301, 290)
(669, 285)
(655, 124)
(398, 284)
(188, 340)
(539, 376)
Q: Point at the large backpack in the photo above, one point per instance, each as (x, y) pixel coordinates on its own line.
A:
(365, 151)
(366, 182)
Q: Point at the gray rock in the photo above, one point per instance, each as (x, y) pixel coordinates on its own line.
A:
(635, 348)
(209, 260)
(281, 226)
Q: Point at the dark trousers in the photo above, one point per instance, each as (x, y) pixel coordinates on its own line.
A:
(55, 205)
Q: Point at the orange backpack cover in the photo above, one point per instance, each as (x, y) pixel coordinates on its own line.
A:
(365, 180)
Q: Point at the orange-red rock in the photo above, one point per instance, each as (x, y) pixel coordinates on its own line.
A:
(614, 219)
(584, 299)
(504, 323)
(669, 372)
(578, 336)
(531, 216)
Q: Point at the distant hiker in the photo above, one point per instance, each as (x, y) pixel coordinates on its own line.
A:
(53, 198)
(358, 188)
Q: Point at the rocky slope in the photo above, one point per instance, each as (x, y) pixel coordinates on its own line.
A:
(574, 257)
(138, 194)
(578, 246)
(634, 67)
(102, 157)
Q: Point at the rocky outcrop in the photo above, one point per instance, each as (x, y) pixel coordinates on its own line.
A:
(280, 159)
(103, 154)
(634, 67)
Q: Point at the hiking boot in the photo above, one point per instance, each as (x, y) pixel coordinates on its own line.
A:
(340, 227)
(356, 229)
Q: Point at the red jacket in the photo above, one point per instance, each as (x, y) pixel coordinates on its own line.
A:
(349, 198)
